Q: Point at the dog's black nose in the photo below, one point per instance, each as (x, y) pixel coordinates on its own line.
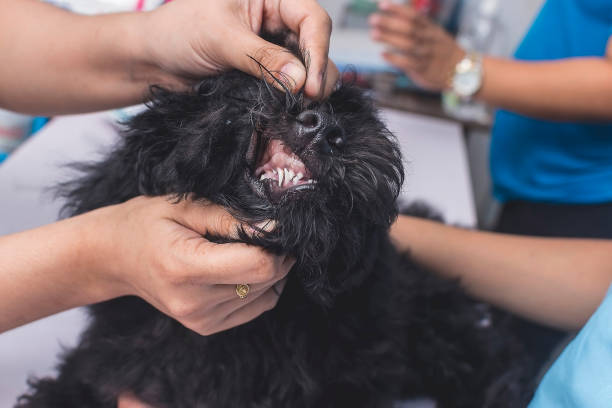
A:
(318, 126)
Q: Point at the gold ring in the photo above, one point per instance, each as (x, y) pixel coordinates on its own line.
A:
(242, 290)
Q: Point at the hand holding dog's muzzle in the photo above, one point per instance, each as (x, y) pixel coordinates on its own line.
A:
(165, 259)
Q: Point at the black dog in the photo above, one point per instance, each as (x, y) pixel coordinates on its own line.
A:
(358, 324)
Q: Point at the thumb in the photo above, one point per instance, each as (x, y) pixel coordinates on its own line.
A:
(206, 218)
(258, 57)
(127, 400)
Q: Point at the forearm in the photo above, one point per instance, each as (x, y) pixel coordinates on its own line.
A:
(557, 282)
(48, 270)
(566, 90)
(59, 62)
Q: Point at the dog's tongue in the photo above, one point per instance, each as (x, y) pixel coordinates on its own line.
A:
(279, 163)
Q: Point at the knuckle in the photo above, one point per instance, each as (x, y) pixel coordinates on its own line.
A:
(181, 309)
(326, 20)
(264, 268)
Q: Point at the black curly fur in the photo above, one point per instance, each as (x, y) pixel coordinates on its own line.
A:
(358, 324)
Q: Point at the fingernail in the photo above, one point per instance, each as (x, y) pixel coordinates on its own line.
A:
(267, 225)
(293, 72)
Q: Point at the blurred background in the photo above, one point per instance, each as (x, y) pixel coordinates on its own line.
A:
(445, 144)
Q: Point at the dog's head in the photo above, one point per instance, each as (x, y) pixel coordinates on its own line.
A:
(328, 173)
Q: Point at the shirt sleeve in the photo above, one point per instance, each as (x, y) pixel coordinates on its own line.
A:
(582, 375)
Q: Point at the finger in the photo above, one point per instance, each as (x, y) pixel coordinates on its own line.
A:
(233, 263)
(391, 23)
(331, 79)
(313, 27)
(206, 218)
(405, 62)
(400, 10)
(228, 292)
(262, 59)
(127, 400)
(222, 310)
(267, 301)
(400, 42)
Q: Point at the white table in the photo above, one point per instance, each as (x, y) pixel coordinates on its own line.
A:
(436, 171)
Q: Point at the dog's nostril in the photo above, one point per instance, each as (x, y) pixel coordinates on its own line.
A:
(310, 121)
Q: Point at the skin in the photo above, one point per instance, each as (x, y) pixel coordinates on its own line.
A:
(572, 89)
(157, 253)
(106, 61)
(557, 282)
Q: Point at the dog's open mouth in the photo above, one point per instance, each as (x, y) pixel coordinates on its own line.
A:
(280, 170)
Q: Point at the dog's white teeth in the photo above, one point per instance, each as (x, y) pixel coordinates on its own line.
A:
(273, 171)
(291, 174)
(263, 177)
(281, 175)
(288, 176)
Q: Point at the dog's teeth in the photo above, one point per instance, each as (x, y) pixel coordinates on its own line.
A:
(263, 176)
(288, 176)
(291, 174)
(273, 171)
(281, 174)
(298, 177)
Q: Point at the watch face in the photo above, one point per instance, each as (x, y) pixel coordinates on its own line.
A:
(467, 83)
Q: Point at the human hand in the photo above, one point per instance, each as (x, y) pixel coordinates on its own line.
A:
(194, 38)
(154, 249)
(127, 400)
(418, 46)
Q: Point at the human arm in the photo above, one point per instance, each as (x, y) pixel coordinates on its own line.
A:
(564, 89)
(557, 282)
(146, 247)
(58, 62)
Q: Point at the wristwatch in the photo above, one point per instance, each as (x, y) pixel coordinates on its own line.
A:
(467, 78)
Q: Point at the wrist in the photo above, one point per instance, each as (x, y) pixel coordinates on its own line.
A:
(96, 255)
(467, 78)
(454, 60)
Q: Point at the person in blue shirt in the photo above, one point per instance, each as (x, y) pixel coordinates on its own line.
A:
(551, 147)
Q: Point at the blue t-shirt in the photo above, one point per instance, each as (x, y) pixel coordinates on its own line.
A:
(582, 376)
(556, 162)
